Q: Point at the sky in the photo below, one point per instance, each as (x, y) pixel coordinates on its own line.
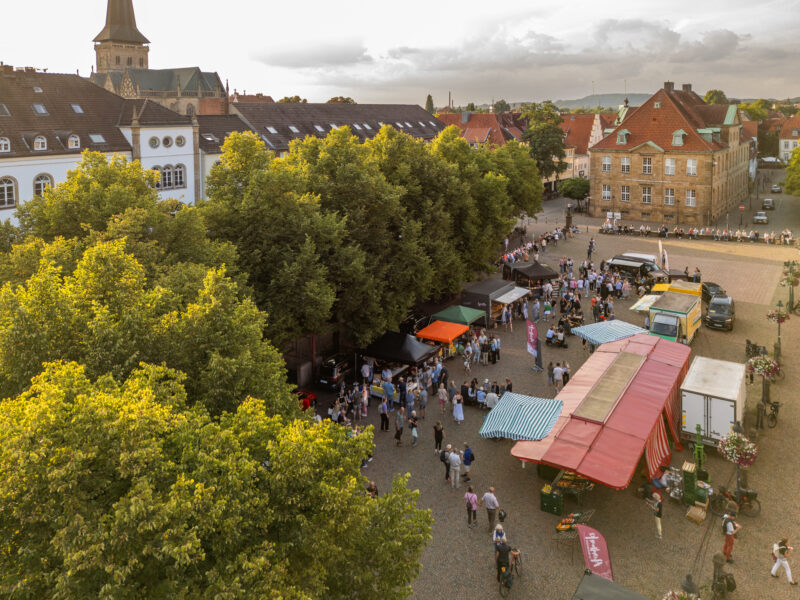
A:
(376, 51)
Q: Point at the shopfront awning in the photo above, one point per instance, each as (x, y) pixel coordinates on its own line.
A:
(512, 296)
(442, 331)
(519, 417)
(606, 331)
(644, 303)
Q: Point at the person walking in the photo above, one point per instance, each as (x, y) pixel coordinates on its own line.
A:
(442, 395)
(438, 437)
(384, 414)
(489, 500)
(444, 456)
(455, 468)
(558, 377)
(423, 401)
(657, 507)
(469, 457)
(413, 425)
(472, 507)
(780, 552)
(458, 409)
(550, 369)
(730, 528)
(399, 423)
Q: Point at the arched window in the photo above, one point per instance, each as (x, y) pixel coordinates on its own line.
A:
(158, 181)
(190, 110)
(40, 143)
(8, 195)
(5, 145)
(180, 176)
(166, 178)
(73, 142)
(41, 183)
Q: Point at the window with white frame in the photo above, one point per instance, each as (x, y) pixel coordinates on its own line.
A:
(607, 192)
(647, 165)
(691, 198)
(691, 166)
(73, 142)
(5, 144)
(41, 183)
(180, 176)
(40, 143)
(669, 166)
(39, 109)
(77, 109)
(8, 192)
(625, 164)
(293, 129)
(356, 126)
(669, 197)
(786, 144)
(606, 168)
(166, 178)
(647, 195)
(625, 193)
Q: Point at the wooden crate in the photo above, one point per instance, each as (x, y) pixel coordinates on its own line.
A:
(696, 514)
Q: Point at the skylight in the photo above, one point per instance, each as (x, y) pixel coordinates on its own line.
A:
(293, 129)
(97, 138)
(333, 126)
(408, 124)
(421, 124)
(399, 124)
(271, 129)
(357, 126)
(78, 109)
(37, 89)
(39, 109)
(366, 126)
(319, 128)
(209, 137)
(432, 123)
(4, 111)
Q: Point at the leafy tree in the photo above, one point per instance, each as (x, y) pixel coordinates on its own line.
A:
(501, 106)
(291, 99)
(118, 490)
(524, 187)
(793, 173)
(429, 104)
(788, 109)
(545, 138)
(715, 97)
(758, 110)
(341, 100)
(576, 188)
(768, 143)
(106, 316)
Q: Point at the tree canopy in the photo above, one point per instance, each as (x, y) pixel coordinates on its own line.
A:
(545, 138)
(793, 173)
(716, 97)
(757, 110)
(341, 100)
(120, 490)
(501, 106)
(295, 99)
(429, 104)
(576, 188)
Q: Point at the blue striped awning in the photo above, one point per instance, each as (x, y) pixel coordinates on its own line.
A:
(606, 331)
(518, 417)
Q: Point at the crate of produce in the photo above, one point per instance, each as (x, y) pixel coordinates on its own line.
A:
(551, 501)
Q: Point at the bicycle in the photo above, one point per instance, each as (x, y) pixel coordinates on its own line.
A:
(746, 501)
(507, 573)
(772, 417)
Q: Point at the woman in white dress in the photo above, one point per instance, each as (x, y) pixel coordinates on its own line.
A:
(458, 409)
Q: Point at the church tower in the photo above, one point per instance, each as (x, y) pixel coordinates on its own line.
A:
(120, 45)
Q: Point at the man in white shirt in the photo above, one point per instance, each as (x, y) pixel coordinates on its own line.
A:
(365, 372)
(558, 376)
(455, 468)
(489, 500)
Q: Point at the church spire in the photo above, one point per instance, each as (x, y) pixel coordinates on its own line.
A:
(121, 24)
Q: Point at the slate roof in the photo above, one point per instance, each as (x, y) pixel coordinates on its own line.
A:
(164, 80)
(215, 128)
(493, 128)
(149, 113)
(237, 97)
(578, 130)
(364, 120)
(678, 110)
(100, 113)
(121, 24)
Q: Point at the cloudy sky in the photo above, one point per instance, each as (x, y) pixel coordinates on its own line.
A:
(379, 51)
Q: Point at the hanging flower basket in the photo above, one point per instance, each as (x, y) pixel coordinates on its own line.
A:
(738, 449)
(790, 280)
(763, 365)
(778, 315)
(679, 595)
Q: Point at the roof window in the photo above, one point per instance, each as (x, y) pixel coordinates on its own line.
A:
(399, 124)
(408, 124)
(97, 138)
(39, 109)
(209, 137)
(293, 129)
(421, 124)
(4, 111)
(333, 126)
(677, 137)
(77, 108)
(357, 126)
(432, 123)
(366, 126)
(622, 137)
(319, 128)
(271, 129)
(37, 89)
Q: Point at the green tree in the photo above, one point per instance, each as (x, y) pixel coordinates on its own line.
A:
(758, 110)
(118, 490)
(768, 143)
(715, 97)
(545, 138)
(501, 106)
(293, 99)
(106, 316)
(576, 188)
(793, 173)
(525, 188)
(341, 100)
(429, 104)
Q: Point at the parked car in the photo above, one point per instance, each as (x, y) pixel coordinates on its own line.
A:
(776, 189)
(768, 204)
(633, 268)
(761, 217)
(711, 289)
(335, 370)
(721, 313)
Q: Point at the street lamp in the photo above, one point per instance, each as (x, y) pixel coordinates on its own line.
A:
(778, 345)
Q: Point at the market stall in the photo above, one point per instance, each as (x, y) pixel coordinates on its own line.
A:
(606, 331)
(619, 405)
(481, 295)
(532, 276)
(460, 314)
(595, 587)
(518, 417)
(644, 303)
(444, 334)
(398, 352)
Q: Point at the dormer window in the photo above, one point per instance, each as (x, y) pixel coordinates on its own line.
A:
(73, 142)
(5, 145)
(37, 89)
(794, 132)
(40, 143)
(622, 137)
(677, 137)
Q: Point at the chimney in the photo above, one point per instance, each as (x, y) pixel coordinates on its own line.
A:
(669, 86)
(687, 87)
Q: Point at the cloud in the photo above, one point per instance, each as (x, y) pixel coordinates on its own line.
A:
(317, 55)
(714, 45)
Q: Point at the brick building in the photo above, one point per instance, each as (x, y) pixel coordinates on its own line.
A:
(673, 160)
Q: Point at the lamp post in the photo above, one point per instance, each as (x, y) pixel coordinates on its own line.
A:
(778, 343)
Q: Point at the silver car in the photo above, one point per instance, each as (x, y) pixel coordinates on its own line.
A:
(761, 217)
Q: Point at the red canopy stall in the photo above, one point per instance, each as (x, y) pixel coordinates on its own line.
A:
(618, 405)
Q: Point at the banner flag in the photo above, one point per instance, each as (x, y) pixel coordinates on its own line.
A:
(595, 551)
(533, 343)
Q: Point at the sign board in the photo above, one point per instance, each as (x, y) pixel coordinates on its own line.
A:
(617, 215)
(595, 552)
(609, 215)
(741, 207)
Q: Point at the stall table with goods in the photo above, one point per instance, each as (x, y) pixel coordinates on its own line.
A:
(566, 533)
(400, 351)
(444, 336)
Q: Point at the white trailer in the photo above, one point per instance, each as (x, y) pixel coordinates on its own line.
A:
(713, 396)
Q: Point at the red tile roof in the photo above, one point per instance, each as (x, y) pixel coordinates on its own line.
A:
(749, 130)
(791, 128)
(678, 110)
(773, 125)
(501, 127)
(578, 130)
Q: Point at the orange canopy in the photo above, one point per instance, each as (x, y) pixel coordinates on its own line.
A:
(442, 331)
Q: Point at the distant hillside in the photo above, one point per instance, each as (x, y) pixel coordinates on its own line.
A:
(611, 100)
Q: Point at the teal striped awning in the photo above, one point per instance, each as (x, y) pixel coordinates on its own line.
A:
(518, 417)
(606, 331)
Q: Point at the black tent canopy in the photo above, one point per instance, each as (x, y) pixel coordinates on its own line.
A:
(594, 587)
(534, 271)
(400, 347)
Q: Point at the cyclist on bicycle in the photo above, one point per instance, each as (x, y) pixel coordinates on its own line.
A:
(502, 558)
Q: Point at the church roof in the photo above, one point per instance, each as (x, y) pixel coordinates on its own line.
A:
(189, 78)
(149, 113)
(121, 24)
